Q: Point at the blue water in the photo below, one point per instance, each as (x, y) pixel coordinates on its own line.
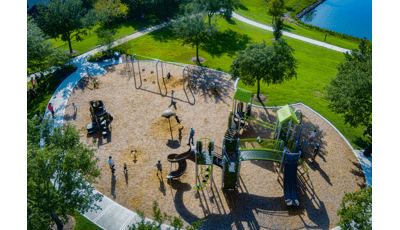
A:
(352, 17)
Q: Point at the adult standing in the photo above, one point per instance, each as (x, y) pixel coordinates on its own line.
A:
(191, 135)
(50, 107)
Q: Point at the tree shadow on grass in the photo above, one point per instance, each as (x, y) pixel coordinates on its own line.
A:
(227, 42)
(163, 35)
(242, 7)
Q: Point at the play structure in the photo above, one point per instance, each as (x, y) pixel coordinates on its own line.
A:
(281, 149)
(101, 119)
(285, 128)
(158, 63)
(204, 156)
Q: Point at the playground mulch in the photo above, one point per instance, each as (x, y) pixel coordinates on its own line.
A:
(137, 105)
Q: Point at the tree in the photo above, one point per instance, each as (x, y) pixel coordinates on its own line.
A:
(106, 37)
(229, 6)
(211, 7)
(350, 92)
(275, 8)
(110, 10)
(59, 174)
(272, 64)
(278, 26)
(193, 30)
(356, 210)
(176, 223)
(40, 51)
(63, 17)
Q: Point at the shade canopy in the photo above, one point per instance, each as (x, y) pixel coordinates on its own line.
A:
(167, 113)
(243, 95)
(286, 113)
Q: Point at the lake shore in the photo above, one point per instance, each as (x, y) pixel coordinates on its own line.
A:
(309, 8)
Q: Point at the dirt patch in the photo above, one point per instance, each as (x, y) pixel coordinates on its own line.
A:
(262, 97)
(69, 226)
(73, 52)
(201, 59)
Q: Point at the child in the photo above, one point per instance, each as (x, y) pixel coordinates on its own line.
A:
(312, 137)
(168, 76)
(172, 94)
(111, 163)
(159, 167)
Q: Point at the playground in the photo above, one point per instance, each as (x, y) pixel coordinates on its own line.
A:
(139, 136)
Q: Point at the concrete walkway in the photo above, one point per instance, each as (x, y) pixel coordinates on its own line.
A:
(112, 216)
(295, 36)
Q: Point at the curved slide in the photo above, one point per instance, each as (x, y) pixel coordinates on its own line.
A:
(182, 164)
(290, 179)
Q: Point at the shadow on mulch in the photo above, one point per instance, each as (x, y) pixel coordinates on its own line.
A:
(201, 81)
(173, 144)
(311, 204)
(359, 172)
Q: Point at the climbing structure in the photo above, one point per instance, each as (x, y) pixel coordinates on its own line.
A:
(231, 164)
(288, 126)
(204, 156)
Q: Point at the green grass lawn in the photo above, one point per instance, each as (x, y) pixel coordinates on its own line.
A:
(81, 223)
(317, 65)
(256, 10)
(90, 41)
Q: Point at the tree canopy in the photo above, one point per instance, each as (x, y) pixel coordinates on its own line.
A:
(271, 64)
(40, 52)
(276, 8)
(356, 210)
(194, 31)
(110, 10)
(63, 17)
(350, 92)
(59, 173)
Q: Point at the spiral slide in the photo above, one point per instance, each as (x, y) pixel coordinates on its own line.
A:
(182, 164)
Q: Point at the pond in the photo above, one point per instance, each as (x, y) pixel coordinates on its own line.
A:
(352, 17)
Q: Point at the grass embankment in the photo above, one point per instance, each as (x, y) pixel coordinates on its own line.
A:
(256, 10)
(317, 65)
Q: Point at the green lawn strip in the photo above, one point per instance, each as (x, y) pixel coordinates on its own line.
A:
(81, 223)
(317, 65)
(256, 11)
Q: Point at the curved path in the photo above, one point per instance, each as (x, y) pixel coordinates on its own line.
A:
(113, 215)
(295, 36)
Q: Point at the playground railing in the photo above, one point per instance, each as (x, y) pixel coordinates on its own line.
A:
(264, 143)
